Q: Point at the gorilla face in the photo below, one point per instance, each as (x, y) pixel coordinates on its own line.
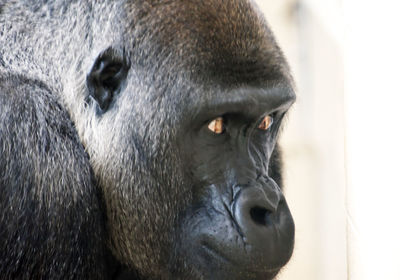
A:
(182, 149)
(238, 225)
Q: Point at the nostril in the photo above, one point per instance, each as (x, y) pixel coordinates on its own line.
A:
(260, 215)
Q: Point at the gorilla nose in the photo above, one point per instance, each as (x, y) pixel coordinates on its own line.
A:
(265, 224)
(255, 208)
(253, 205)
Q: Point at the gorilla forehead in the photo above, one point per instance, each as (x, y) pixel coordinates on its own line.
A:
(194, 52)
(225, 42)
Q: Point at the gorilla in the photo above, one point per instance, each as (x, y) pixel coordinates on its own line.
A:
(138, 140)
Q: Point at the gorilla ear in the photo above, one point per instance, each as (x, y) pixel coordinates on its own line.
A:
(107, 77)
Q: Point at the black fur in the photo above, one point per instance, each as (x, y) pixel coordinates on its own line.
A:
(52, 226)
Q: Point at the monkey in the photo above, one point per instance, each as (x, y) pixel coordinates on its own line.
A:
(139, 140)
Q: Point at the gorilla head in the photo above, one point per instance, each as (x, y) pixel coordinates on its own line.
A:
(182, 152)
(179, 105)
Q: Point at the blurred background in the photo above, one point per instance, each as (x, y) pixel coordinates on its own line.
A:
(341, 141)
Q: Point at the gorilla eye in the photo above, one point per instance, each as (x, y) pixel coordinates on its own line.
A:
(217, 125)
(266, 123)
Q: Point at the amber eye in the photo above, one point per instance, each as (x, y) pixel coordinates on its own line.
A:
(266, 123)
(217, 125)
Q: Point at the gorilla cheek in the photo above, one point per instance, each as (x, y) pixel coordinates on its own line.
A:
(141, 208)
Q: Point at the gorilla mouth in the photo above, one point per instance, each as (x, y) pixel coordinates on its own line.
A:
(215, 254)
(212, 253)
(222, 267)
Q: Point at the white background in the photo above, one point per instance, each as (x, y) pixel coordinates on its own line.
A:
(342, 140)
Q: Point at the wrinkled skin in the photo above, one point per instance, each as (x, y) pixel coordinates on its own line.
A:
(108, 166)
